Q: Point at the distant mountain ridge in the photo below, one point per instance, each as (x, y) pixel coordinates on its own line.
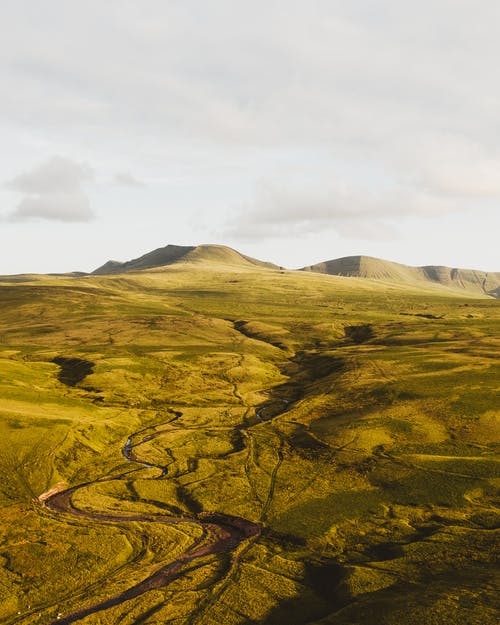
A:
(471, 280)
(170, 254)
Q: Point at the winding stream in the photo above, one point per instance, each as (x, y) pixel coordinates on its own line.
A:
(220, 533)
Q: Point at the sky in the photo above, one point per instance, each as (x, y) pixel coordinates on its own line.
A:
(293, 131)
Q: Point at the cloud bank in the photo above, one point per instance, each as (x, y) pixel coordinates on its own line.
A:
(292, 206)
(52, 191)
(322, 116)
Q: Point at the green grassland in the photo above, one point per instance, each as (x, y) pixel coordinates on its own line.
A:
(356, 421)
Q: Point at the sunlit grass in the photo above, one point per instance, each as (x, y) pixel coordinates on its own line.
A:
(369, 457)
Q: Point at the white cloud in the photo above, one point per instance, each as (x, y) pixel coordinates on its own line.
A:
(53, 206)
(291, 206)
(56, 175)
(220, 72)
(128, 180)
(452, 166)
(52, 191)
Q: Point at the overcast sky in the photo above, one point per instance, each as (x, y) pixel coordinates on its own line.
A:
(294, 131)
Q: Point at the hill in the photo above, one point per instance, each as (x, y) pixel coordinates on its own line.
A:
(471, 281)
(171, 254)
(221, 443)
(377, 269)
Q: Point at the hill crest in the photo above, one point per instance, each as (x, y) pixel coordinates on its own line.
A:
(171, 254)
(470, 280)
(372, 268)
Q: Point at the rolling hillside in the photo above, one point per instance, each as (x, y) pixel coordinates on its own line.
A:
(470, 281)
(171, 254)
(218, 442)
(377, 269)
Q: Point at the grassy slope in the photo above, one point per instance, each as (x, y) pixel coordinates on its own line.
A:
(172, 254)
(368, 453)
(471, 280)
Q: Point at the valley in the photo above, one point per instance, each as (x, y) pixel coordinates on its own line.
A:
(220, 440)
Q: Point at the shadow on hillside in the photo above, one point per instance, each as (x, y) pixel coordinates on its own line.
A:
(320, 596)
(73, 370)
(304, 369)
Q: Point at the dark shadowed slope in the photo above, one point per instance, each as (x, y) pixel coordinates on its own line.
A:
(377, 269)
(173, 253)
(157, 258)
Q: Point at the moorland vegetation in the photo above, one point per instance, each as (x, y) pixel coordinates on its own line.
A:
(220, 441)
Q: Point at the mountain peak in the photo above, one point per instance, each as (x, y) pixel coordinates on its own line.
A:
(157, 258)
(171, 254)
(470, 280)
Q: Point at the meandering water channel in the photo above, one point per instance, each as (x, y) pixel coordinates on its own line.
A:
(220, 533)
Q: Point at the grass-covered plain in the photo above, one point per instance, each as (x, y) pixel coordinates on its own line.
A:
(356, 421)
